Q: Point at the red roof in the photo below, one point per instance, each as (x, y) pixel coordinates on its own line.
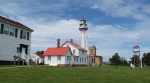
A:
(14, 23)
(56, 52)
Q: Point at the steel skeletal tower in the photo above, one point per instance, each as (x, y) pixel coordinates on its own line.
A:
(137, 52)
(83, 29)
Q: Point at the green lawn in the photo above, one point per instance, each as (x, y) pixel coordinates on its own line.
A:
(104, 74)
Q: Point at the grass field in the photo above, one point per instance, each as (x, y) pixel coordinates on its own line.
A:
(104, 74)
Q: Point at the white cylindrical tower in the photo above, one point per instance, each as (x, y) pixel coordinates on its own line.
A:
(83, 29)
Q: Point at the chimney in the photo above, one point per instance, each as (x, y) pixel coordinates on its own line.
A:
(58, 43)
(71, 40)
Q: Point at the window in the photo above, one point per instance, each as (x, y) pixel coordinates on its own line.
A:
(59, 58)
(21, 34)
(26, 50)
(18, 49)
(49, 58)
(77, 59)
(24, 35)
(16, 33)
(1, 28)
(80, 60)
(28, 35)
(6, 30)
(68, 58)
(93, 60)
(11, 31)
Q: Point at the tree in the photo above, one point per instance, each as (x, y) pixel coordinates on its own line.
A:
(40, 53)
(135, 60)
(115, 59)
(146, 58)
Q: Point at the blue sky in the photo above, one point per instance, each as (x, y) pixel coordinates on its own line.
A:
(114, 25)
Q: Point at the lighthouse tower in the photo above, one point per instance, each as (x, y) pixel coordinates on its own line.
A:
(83, 29)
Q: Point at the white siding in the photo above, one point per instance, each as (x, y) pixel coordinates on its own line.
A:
(82, 57)
(46, 61)
(8, 45)
(74, 50)
(36, 58)
(77, 52)
(54, 60)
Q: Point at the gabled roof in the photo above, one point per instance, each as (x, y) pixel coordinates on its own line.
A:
(73, 44)
(56, 52)
(14, 23)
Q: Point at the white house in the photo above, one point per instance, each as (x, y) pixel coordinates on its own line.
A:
(80, 56)
(36, 59)
(15, 41)
(57, 56)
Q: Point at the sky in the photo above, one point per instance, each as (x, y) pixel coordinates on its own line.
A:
(114, 25)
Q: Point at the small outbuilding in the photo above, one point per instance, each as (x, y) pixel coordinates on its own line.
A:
(58, 56)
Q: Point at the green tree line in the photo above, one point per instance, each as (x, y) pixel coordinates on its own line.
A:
(116, 59)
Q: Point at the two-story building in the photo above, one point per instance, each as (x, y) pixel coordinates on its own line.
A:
(80, 56)
(15, 41)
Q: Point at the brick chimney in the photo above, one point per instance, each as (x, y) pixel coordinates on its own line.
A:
(71, 40)
(58, 43)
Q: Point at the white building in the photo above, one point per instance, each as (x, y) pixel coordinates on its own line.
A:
(36, 59)
(78, 53)
(80, 56)
(15, 41)
(57, 56)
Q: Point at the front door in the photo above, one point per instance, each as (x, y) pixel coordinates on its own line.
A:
(23, 53)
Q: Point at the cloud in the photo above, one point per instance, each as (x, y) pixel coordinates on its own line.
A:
(122, 8)
(45, 34)
(48, 19)
(146, 9)
(108, 38)
(34, 9)
(116, 38)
